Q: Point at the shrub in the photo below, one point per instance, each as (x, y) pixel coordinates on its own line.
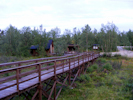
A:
(108, 66)
(95, 66)
(85, 77)
(90, 69)
(129, 85)
(97, 78)
(107, 55)
(104, 55)
(116, 64)
(117, 55)
(5, 59)
(102, 60)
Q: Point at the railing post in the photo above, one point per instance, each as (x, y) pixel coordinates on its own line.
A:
(55, 80)
(99, 54)
(40, 85)
(83, 58)
(74, 61)
(69, 72)
(88, 56)
(36, 62)
(63, 65)
(19, 70)
(78, 66)
(83, 63)
(78, 61)
(39, 73)
(55, 69)
(47, 63)
(91, 55)
(17, 77)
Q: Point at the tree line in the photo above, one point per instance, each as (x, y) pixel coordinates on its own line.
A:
(15, 42)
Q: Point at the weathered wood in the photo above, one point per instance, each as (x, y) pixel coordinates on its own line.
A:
(33, 60)
(35, 95)
(61, 87)
(17, 79)
(75, 77)
(52, 90)
(36, 76)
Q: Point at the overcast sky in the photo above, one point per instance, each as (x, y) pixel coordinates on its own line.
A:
(66, 14)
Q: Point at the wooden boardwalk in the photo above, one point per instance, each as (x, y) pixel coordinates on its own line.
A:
(26, 77)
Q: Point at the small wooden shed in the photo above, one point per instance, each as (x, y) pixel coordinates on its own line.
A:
(33, 50)
(95, 46)
(50, 47)
(72, 48)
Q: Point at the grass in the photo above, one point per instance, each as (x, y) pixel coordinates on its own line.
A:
(107, 79)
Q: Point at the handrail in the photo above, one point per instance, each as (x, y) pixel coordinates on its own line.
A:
(57, 66)
(23, 66)
(33, 60)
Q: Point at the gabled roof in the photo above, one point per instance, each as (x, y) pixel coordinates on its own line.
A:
(48, 45)
(72, 45)
(34, 47)
(95, 44)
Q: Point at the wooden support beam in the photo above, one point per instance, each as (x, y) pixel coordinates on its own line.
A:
(87, 67)
(75, 77)
(45, 93)
(49, 89)
(40, 92)
(52, 90)
(61, 87)
(28, 93)
(35, 95)
(47, 84)
(26, 96)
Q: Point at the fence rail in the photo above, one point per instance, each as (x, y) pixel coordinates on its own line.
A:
(14, 80)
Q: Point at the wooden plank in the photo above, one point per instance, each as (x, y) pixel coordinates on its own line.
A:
(32, 82)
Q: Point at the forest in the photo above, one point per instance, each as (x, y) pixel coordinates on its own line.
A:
(16, 42)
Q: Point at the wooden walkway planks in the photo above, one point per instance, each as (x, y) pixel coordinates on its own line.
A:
(34, 81)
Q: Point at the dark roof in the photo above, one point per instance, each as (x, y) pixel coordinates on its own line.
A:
(95, 44)
(48, 45)
(34, 47)
(72, 45)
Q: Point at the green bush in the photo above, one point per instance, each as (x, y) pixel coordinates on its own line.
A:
(5, 59)
(97, 78)
(104, 55)
(107, 55)
(108, 66)
(102, 60)
(85, 77)
(116, 64)
(90, 69)
(117, 55)
(95, 66)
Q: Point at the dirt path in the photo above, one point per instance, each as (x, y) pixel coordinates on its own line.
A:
(123, 52)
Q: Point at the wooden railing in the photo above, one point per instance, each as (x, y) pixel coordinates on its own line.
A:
(18, 75)
(20, 63)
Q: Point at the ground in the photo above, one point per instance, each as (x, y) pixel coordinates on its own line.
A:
(107, 79)
(122, 52)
